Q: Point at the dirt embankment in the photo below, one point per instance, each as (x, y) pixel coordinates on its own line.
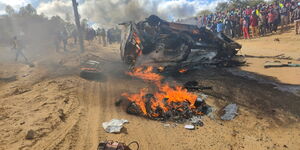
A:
(66, 112)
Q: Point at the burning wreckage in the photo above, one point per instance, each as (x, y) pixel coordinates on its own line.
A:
(163, 101)
(158, 43)
(155, 43)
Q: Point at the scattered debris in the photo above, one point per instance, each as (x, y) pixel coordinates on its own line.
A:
(194, 86)
(62, 115)
(115, 145)
(196, 121)
(189, 127)
(119, 102)
(277, 40)
(210, 113)
(114, 125)
(66, 100)
(281, 56)
(176, 111)
(230, 112)
(167, 125)
(91, 70)
(30, 135)
(269, 64)
(19, 91)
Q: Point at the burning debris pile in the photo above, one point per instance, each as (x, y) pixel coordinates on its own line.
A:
(166, 103)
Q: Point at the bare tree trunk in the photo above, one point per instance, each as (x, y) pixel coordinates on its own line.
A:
(77, 20)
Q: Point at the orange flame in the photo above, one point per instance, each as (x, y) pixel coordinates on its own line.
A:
(164, 96)
(138, 42)
(145, 74)
(182, 70)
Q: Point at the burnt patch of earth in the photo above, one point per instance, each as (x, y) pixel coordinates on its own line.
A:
(263, 97)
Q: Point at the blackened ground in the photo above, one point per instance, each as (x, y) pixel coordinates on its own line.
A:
(257, 92)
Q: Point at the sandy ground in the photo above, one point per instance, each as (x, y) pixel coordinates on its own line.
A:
(66, 112)
(288, 45)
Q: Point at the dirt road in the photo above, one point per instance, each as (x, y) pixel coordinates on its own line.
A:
(268, 118)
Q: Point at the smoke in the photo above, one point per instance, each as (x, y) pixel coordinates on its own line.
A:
(56, 8)
(16, 4)
(112, 12)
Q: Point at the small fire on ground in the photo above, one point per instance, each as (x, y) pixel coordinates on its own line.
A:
(166, 103)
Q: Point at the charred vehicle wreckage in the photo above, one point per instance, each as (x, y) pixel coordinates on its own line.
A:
(152, 44)
(155, 42)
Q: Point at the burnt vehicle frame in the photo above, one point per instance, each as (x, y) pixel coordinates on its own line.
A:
(157, 42)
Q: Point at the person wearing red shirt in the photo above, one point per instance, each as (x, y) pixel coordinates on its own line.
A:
(254, 25)
(271, 19)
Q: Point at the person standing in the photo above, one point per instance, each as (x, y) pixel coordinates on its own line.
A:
(296, 18)
(262, 23)
(17, 47)
(64, 37)
(271, 19)
(75, 35)
(246, 29)
(220, 27)
(254, 24)
(103, 35)
(284, 17)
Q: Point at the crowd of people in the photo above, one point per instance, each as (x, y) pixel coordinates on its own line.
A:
(257, 21)
(112, 35)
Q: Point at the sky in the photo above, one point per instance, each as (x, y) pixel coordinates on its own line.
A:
(108, 12)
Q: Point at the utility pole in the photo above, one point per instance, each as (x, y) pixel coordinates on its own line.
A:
(77, 21)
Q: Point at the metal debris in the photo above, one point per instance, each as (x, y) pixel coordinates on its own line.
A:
(270, 64)
(230, 112)
(196, 121)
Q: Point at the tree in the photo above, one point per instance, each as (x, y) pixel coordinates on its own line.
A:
(22, 11)
(204, 12)
(9, 10)
(58, 22)
(222, 6)
(30, 10)
(77, 21)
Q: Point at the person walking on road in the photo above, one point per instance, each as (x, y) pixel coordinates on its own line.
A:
(17, 47)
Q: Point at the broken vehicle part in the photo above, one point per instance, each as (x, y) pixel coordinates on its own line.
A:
(269, 64)
(230, 112)
(115, 145)
(158, 43)
(91, 70)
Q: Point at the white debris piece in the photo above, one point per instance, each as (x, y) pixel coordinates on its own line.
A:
(189, 127)
(230, 112)
(114, 125)
(195, 120)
